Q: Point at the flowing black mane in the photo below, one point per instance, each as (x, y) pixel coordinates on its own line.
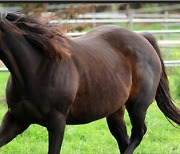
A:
(43, 34)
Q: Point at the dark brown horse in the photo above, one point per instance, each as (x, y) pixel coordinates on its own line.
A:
(56, 81)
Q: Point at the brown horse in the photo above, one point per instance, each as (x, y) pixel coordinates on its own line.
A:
(56, 81)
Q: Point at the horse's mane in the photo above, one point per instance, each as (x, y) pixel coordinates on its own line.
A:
(45, 35)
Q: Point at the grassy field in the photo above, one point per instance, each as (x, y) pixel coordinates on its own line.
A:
(95, 138)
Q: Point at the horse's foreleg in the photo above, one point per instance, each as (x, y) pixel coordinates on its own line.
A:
(10, 128)
(118, 129)
(55, 126)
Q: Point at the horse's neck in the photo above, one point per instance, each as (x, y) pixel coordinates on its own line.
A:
(21, 59)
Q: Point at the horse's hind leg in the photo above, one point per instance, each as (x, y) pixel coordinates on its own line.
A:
(137, 113)
(10, 128)
(117, 127)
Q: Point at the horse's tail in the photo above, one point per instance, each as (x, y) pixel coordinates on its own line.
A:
(163, 97)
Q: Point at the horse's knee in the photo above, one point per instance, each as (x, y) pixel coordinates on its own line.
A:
(137, 134)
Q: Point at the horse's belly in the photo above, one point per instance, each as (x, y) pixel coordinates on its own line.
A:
(77, 115)
(87, 109)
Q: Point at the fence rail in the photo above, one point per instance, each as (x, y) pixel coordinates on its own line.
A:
(3, 69)
(172, 63)
(169, 43)
(110, 15)
(111, 21)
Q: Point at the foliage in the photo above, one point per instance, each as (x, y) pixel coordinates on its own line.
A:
(36, 8)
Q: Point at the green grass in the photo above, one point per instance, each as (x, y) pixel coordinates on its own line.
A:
(3, 81)
(92, 138)
(95, 138)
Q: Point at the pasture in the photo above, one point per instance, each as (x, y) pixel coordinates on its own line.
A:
(95, 138)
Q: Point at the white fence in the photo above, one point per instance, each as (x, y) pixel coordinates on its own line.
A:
(172, 63)
(110, 15)
(3, 69)
(131, 19)
(113, 21)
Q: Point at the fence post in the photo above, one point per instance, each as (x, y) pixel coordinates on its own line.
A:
(94, 17)
(166, 35)
(131, 17)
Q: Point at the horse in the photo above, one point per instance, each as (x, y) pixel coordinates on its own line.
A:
(57, 81)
